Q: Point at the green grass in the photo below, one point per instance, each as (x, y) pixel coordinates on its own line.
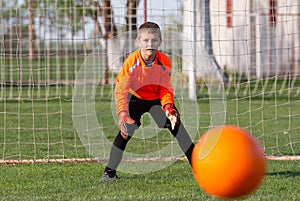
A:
(81, 182)
(39, 125)
(52, 68)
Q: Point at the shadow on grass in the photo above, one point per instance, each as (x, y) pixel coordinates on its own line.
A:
(284, 173)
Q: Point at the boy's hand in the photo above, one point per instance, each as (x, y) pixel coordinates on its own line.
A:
(171, 114)
(123, 119)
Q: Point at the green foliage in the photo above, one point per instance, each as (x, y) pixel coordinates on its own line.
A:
(69, 12)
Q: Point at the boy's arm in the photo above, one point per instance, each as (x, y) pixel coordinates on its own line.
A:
(166, 89)
(121, 90)
(167, 102)
(167, 95)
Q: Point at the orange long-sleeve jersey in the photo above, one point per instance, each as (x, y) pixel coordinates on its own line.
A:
(145, 82)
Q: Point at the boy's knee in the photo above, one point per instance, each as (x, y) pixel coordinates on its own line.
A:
(159, 116)
(131, 128)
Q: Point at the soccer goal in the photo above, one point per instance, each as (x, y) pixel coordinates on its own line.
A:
(234, 62)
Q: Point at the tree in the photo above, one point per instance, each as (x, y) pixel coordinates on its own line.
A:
(95, 16)
(63, 18)
(111, 30)
(31, 29)
(131, 21)
(108, 19)
(131, 25)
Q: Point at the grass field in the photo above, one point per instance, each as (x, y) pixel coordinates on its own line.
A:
(40, 128)
(81, 181)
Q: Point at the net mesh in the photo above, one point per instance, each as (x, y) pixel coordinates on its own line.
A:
(59, 60)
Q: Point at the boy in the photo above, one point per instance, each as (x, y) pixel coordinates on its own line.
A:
(143, 83)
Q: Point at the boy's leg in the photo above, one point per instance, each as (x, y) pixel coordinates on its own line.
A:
(136, 110)
(116, 153)
(118, 147)
(183, 139)
(179, 131)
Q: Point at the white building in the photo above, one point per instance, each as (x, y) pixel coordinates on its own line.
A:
(253, 37)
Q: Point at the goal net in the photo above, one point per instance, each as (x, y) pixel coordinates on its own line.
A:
(234, 62)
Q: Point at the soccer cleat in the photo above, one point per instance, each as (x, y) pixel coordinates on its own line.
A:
(109, 176)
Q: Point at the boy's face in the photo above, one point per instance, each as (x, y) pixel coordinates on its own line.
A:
(148, 43)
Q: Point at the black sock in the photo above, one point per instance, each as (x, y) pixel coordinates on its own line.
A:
(116, 152)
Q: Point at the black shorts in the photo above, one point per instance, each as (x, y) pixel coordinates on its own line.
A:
(137, 107)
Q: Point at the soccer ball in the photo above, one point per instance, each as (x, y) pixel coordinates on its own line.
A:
(228, 162)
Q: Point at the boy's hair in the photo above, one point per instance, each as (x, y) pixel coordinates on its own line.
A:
(149, 27)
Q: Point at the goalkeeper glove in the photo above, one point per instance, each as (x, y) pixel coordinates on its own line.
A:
(123, 119)
(171, 114)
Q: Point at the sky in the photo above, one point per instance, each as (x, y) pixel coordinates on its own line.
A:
(163, 12)
(156, 10)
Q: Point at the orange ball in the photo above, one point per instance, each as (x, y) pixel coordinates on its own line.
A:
(228, 162)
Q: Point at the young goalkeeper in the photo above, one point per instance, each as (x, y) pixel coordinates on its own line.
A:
(143, 85)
